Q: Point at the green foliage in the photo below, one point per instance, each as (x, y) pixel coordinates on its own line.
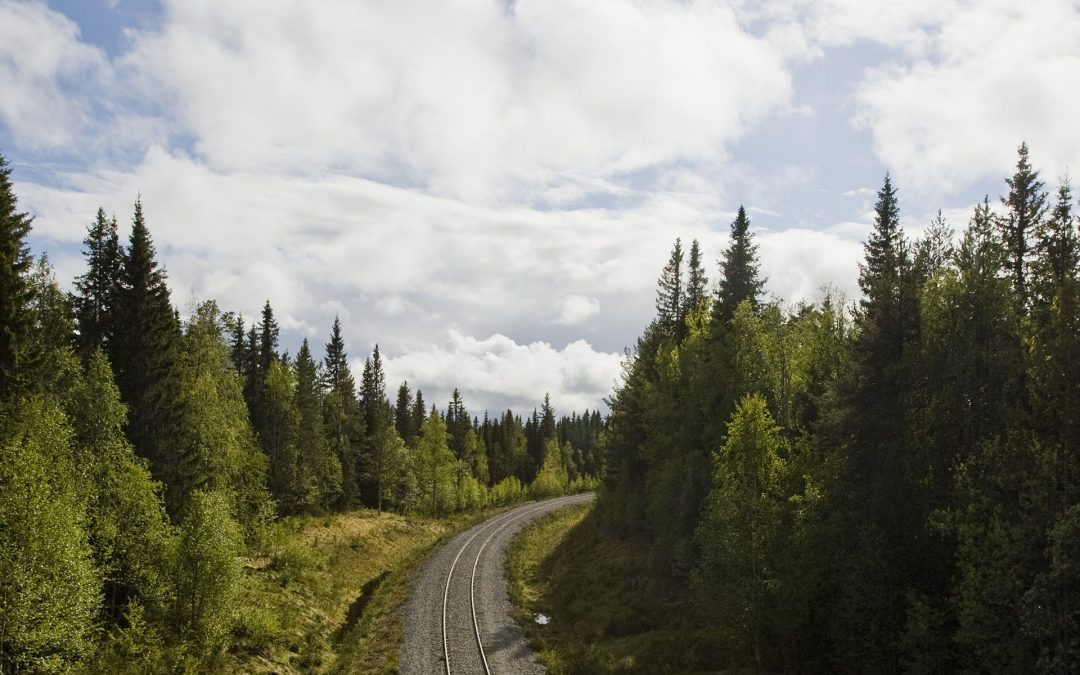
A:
(281, 438)
(740, 531)
(433, 467)
(1025, 206)
(49, 587)
(95, 297)
(397, 482)
(216, 448)
(739, 271)
(134, 645)
(552, 478)
(669, 291)
(920, 515)
(202, 423)
(16, 317)
(507, 491)
(206, 572)
(129, 531)
(293, 561)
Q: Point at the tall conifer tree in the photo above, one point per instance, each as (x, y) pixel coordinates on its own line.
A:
(146, 351)
(403, 414)
(739, 275)
(1056, 260)
(96, 291)
(1025, 207)
(696, 282)
(376, 410)
(16, 318)
(268, 338)
(547, 420)
(419, 411)
(669, 291)
(342, 415)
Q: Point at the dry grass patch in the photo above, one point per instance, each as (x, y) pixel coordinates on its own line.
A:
(307, 601)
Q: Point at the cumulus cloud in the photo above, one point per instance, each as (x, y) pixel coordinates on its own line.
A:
(497, 371)
(958, 86)
(997, 73)
(798, 263)
(577, 308)
(400, 262)
(40, 56)
(518, 170)
(477, 100)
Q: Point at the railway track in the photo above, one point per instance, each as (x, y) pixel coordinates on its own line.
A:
(473, 631)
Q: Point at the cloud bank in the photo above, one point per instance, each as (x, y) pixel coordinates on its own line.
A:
(488, 188)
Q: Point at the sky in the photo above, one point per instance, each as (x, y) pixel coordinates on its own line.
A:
(488, 189)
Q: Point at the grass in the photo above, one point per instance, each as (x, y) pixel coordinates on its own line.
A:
(611, 610)
(326, 596)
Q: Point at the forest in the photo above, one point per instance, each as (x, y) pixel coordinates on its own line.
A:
(884, 485)
(144, 453)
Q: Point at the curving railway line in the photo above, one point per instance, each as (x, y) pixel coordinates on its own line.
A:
(458, 619)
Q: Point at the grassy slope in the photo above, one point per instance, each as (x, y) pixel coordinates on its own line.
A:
(610, 612)
(326, 597)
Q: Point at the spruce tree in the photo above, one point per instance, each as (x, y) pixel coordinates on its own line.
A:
(377, 422)
(547, 420)
(403, 414)
(342, 415)
(335, 371)
(669, 291)
(1055, 323)
(1025, 206)
(880, 498)
(16, 317)
(696, 282)
(1056, 260)
(419, 411)
(457, 423)
(739, 275)
(268, 339)
(96, 290)
(145, 352)
(319, 471)
(934, 249)
(234, 324)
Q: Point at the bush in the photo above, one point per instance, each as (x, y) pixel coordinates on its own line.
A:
(207, 571)
(256, 628)
(49, 589)
(294, 562)
(507, 491)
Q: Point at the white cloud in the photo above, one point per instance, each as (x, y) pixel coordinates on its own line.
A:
(804, 29)
(798, 263)
(419, 170)
(400, 263)
(498, 370)
(958, 84)
(465, 98)
(577, 308)
(40, 54)
(999, 73)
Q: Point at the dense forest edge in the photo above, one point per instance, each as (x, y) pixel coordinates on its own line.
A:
(169, 483)
(890, 485)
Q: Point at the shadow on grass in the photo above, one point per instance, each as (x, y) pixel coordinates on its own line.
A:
(612, 610)
(356, 609)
